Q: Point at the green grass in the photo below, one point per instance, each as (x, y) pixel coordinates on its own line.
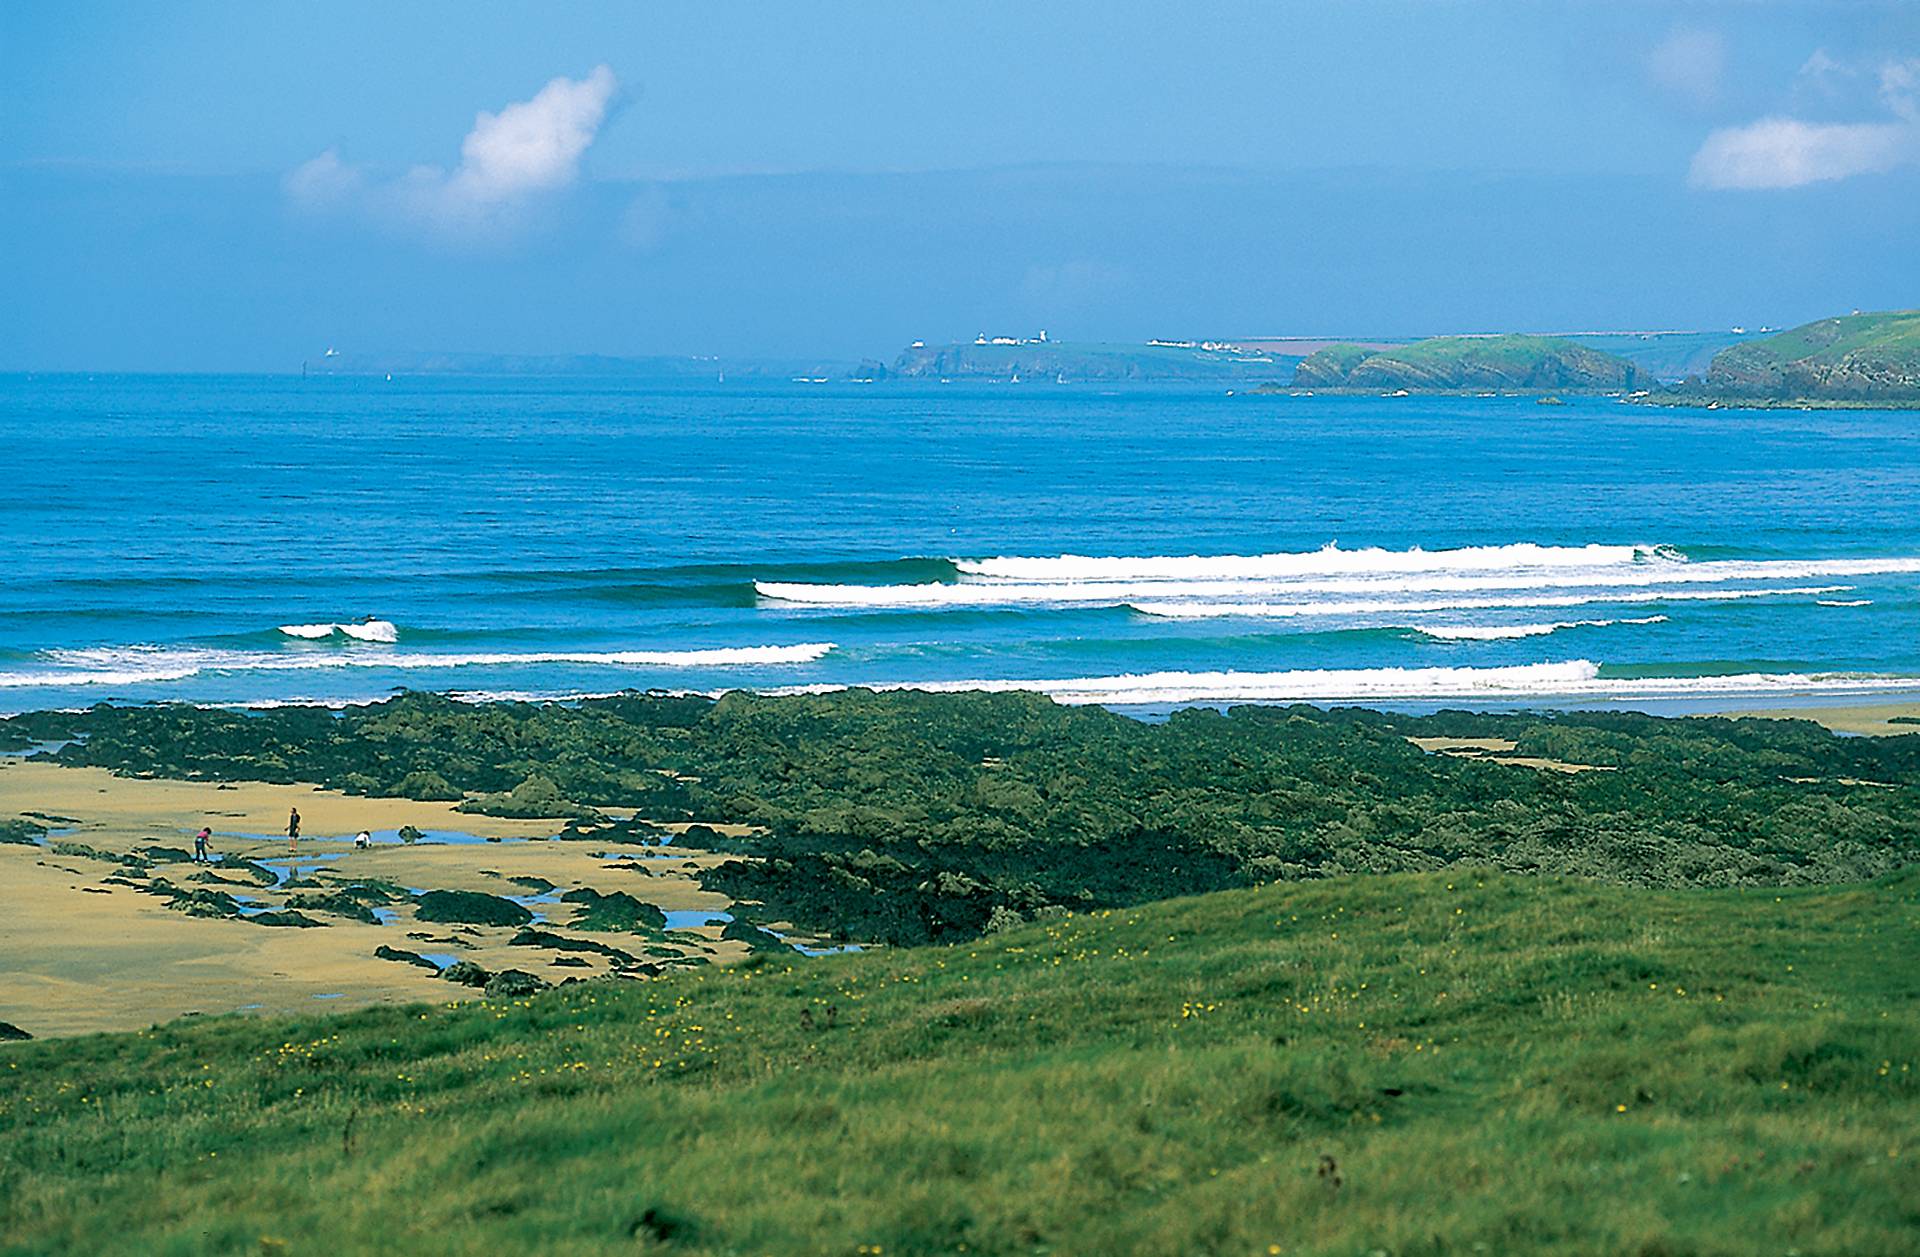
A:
(1485, 1062)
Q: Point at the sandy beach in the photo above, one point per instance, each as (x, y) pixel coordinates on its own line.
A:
(87, 949)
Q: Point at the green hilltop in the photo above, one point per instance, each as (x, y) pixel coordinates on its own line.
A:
(1460, 363)
(1856, 358)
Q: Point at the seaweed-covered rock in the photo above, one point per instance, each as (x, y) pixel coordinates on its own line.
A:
(11, 1033)
(426, 785)
(469, 907)
(618, 912)
(753, 936)
(385, 952)
(512, 983)
(165, 855)
(410, 834)
(94, 853)
(571, 962)
(341, 905)
(259, 872)
(293, 920)
(22, 831)
(198, 902)
(466, 973)
(535, 937)
(536, 797)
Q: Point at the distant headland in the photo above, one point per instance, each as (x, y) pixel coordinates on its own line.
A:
(1858, 360)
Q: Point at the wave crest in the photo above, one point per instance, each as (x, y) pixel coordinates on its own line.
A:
(368, 630)
(1504, 632)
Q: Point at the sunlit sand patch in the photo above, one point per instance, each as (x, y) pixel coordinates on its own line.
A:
(1499, 751)
(86, 949)
(1868, 719)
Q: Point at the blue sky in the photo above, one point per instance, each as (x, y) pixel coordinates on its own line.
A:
(235, 186)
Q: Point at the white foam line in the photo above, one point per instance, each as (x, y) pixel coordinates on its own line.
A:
(1575, 679)
(1197, 610)
(134, 666)
(1326, 560)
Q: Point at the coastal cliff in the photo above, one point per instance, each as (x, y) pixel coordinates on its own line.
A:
(1459, 363)
(1856, 358)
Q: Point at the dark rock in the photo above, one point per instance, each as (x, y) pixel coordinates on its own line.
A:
(294, 920)
(535, 937)
(10, 1033)
(466, 973)
(385, 952)
(510, 983)
(198, 903)
(260, 873)
(753, 936)
(22, 831)
(469, 907)
(571, 962)
(166, 855)
(341, 905)
(618, 912)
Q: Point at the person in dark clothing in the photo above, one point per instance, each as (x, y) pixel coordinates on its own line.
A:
(200, 845)
(293, 829)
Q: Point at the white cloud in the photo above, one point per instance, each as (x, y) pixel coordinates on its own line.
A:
(1786, 153)
(1690, 63)
(1900, 88)
(507, 161)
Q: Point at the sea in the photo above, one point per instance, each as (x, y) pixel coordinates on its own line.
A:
(262, 540)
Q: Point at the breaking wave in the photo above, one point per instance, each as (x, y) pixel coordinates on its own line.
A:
(1579, 678)
(1282, 610)
(1503, 632)
(141, 665)
(368, 630)
(1524, 568)
(1328, 560)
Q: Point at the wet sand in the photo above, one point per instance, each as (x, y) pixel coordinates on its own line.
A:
(81, 951)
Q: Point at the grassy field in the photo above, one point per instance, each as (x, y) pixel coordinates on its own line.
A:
(1407, 1064)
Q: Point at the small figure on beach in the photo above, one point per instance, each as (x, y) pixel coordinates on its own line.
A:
(362, 840)
(200, 846)
(293, 829)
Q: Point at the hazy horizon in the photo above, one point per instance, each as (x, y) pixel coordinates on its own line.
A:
(226, 189)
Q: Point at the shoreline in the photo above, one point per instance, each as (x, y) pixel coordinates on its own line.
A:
(1843, 712)
(90, 949)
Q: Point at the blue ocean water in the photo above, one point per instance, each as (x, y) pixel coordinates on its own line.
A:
(234, 539)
